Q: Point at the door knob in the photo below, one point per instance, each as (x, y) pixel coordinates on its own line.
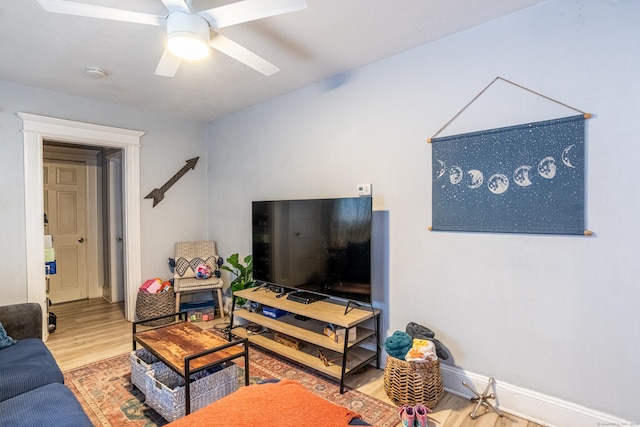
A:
(81, 240)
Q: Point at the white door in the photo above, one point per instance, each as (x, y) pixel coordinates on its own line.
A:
(116, 245)
(64, 203)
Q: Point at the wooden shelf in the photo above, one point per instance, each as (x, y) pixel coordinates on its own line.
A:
(327, 310)
(308, 354)
(311, 332)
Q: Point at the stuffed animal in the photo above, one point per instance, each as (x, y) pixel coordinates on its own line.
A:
(203, 271)
(398, 344)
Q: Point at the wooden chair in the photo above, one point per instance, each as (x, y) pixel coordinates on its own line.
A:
(188, 256)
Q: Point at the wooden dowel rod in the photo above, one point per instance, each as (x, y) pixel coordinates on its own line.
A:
(588, 232)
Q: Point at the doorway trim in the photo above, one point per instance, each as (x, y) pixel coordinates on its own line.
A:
(35, 130)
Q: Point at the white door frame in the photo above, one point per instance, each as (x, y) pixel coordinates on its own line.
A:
(37, 128)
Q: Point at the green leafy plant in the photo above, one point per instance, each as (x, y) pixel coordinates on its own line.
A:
(243, 272)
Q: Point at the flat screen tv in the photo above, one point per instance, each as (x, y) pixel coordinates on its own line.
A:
(317, 245)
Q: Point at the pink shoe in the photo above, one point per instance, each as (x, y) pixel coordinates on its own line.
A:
(407, 416)
(421, 412)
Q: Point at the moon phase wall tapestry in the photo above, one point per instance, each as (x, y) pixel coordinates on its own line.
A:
(520, 179)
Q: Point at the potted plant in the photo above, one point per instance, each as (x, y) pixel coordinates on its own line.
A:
(243, 272)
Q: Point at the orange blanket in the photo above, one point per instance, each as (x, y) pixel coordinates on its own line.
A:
(283, 404)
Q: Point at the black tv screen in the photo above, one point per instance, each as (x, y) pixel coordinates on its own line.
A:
(318, 245)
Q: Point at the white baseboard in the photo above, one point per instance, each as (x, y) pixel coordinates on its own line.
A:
(530, 405)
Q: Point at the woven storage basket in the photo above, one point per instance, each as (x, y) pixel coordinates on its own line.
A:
(165, 389)
(141, 361)
(413, 383)
(154, 305)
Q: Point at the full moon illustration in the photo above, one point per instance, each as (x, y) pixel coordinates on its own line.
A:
(565, 156)
(455, 175)
(498, 183)
(521, 176)
(547, 167)
(476, 178)
(442, 170)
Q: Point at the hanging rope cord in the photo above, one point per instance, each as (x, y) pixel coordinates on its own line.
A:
(586, 115)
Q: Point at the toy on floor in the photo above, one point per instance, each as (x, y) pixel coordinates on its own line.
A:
(482, 399)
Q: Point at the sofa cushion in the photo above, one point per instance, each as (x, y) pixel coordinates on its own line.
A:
(5, 340)
(26, 365)
(52, 405)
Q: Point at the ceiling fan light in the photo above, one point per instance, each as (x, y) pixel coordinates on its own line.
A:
(188, 36)
(188, 46)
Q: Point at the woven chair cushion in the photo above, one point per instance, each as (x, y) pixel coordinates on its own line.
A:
(193, 284)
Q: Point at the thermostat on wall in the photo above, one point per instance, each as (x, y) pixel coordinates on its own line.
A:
(364, 189)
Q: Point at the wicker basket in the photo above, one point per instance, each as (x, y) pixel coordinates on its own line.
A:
(154, 305)
(166, 393)
(141, 361)
(413, 383)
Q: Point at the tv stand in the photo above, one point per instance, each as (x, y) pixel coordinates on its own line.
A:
(340, 358)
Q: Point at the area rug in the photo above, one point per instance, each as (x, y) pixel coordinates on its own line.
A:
(110, 400)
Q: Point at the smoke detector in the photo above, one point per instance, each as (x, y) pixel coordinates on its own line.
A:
(95, 72)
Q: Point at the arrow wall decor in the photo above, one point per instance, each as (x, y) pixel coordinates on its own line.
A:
(158, 193)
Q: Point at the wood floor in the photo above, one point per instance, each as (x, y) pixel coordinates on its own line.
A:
(92, 330)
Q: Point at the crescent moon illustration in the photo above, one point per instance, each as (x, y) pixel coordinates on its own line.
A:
(456, 175)
(476, 179)
(521, 176)
(565, 156)
(498, 183)
(547, 167)
(442, 170)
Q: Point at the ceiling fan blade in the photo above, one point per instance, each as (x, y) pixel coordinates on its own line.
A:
(242, 54)
(249, 10)
(93, 11)
(176, 6)
(168, 64)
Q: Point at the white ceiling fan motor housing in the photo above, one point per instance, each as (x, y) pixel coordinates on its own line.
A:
(188, 36)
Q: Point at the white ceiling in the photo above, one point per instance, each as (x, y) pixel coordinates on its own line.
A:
(328, 38)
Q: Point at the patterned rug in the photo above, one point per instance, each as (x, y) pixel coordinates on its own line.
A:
(104, 389)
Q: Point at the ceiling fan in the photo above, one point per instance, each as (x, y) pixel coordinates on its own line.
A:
(190, 34)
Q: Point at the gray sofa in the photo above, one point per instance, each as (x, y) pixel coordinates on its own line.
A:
(32, 390)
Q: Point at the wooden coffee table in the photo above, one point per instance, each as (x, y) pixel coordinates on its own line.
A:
(186, 349)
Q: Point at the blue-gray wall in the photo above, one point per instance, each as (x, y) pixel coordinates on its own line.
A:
(552, 314)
